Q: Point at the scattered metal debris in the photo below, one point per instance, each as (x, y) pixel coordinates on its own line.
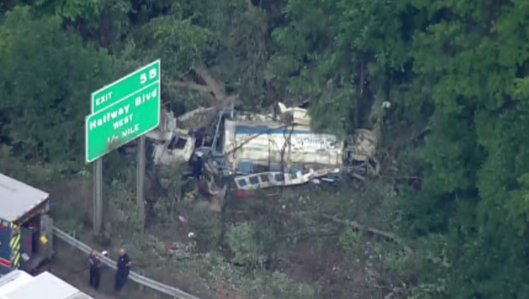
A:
(256, 151)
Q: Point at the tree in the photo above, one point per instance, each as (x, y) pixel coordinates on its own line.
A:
(46, 79)
(343, 63)
(470, 63)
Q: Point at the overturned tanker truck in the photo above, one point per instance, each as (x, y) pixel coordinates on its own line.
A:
(256, 151)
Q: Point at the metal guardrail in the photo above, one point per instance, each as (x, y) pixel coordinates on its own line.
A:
(140, 279)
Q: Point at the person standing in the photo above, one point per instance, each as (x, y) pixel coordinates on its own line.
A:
(95, 269)
(197, 166)
(123, 270)
(200, 136)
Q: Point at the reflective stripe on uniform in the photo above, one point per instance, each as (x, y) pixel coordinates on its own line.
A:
(14, 243)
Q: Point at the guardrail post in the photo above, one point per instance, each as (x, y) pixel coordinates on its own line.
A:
(141, 285)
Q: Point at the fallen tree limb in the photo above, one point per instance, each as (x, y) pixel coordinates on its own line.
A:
(203, 116)
(354, 224)
(214, 86)
(358, 176)
(194, 113)
(201, 81)
(191, 85)
(249, 4)
(203, 90)
(375, 231)
(234, 98)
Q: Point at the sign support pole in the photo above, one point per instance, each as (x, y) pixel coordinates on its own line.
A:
(98, 196)
(111, 125)
(140, 177)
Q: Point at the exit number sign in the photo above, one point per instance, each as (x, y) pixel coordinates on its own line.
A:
(123, 111)
(125, 86)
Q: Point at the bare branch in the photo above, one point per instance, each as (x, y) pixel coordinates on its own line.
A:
(207, 86)
(375, 231)
(231, 99)
(249, 4)
(191, 85)
(214, 86)
(193, 113)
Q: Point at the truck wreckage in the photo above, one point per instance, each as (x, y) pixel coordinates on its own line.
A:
(256, 151)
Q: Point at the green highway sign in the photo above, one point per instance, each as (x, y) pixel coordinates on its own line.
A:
(130, 110)
(125, 86)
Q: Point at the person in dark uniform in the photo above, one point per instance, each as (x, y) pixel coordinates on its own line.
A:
(198, 168)
(122, 273)
(200, 137)
(95, 269)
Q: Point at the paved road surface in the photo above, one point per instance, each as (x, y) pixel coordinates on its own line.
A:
(72, 266)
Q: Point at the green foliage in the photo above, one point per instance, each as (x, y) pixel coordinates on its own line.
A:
(103, 20)
(457, 68)
(178, 42)
(45, 74)
(228, 279)
(351, 240)
(40, 175)
(278, 285)
(73, 9)
(242, 242)
(9, 165)
(338, 62)
(207, 227)
(472, 154)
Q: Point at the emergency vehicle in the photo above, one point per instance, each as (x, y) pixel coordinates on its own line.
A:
(25, 227)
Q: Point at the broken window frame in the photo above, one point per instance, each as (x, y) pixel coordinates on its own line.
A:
(175, 143)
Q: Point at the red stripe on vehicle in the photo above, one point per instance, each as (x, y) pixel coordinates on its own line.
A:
(5, 263)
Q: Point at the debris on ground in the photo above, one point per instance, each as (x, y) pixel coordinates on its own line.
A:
(254, 151)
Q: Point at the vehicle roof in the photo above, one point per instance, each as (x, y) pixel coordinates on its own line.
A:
(17, 198)
(20, 285)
